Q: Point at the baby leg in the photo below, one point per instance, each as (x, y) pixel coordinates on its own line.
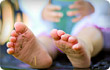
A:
(79, 49)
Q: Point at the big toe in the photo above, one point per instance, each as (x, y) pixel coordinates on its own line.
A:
(20, 27)
(54, 34)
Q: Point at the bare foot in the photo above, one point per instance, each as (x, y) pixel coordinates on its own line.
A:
(75, 49)
(24, 46)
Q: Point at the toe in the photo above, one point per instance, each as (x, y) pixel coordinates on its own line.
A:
(65, 37)
(20, 27)
(10, 50)
(10, 44)
(76, 47)
(54, 34)
(60, 33)
(13, 33)
(72, 39)
(13, 39)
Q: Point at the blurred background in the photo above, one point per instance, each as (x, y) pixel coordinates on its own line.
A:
(27, 11)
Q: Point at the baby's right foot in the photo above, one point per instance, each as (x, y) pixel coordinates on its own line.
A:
(75, 49)
(24, 46)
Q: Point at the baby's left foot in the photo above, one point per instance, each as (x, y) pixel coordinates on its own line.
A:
(26, 47)
(75, 49)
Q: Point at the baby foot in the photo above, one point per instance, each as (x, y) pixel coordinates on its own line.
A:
(24, 46)
(75, 49)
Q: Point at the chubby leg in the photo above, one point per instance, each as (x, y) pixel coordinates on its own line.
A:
(79, 49)
(26, 47)
(92, 36)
